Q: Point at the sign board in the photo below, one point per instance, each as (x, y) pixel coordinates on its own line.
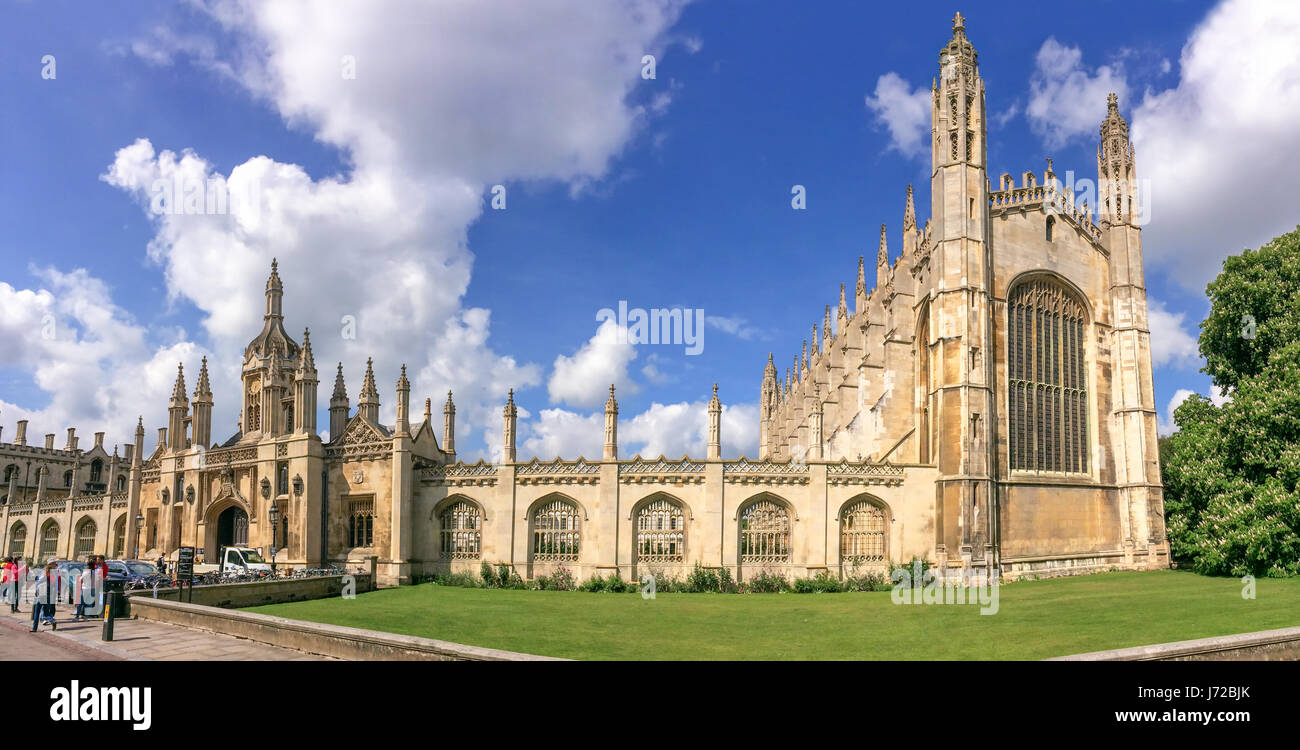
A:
(185, 564)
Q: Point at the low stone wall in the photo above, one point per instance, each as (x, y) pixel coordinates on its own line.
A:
(353, 644)
(236, 595)
(1264, 645)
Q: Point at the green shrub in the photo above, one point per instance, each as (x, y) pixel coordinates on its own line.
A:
(563, 580)
(766, 582)
(702, 580)
(463, 580)
(910, 579)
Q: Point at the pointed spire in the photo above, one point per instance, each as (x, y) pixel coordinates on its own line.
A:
(449, 426)
(714, 451)
(340, 389)
(306, 361)
(815, 348)
(368, 383)
(402, 383)
(770, 369)
(803, 359)
(844, 305)
(368, 401)
(203, 389)
(611, 404)
(909, 211)
(862, 279)
(882, 255)
(826, 330)
(178, 390)
(274, 291)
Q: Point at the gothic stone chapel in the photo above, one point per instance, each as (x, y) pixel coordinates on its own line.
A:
(987, 406)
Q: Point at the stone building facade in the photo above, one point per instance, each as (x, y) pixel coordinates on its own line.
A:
(988, 405)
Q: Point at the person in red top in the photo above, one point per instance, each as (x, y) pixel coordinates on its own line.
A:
(6, 573)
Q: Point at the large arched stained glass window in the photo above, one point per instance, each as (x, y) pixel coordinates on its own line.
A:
(1047, 379)
(85, 539)
(862, 533)
(462, 531)
(660, 532)
(765, 533)
(556, 532)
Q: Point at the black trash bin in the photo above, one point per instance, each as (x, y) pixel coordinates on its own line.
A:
(115, 598)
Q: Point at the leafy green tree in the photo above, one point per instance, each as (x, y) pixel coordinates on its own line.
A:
(1231, 472)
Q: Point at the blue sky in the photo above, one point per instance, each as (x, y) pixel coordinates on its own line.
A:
(670, 192)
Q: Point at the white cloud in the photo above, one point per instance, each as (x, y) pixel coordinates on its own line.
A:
(584, 378)
(904, 111)
(448, 99)
(683, 428)
(1165, 424)
(1215, 150)
(736, 326)
(1065, 99)
(1171, 344)
(96, 364)
(1001, 119)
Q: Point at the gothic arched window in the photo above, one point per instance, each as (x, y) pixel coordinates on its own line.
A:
(1047, 379)
(49, 542)
(862, 533)
(361, 522)
(85, 539)
(660, 532)
(18, 540)
(765, 532)
(462, 531)
(557, 532)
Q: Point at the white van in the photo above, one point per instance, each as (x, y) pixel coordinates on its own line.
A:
(236, 561)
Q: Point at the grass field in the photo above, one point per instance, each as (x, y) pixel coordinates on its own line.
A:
(1036, 619)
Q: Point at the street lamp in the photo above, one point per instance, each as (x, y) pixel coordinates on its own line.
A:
(139, 524)
(274, 515)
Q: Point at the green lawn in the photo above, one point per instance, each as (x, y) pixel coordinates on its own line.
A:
(1036, 619)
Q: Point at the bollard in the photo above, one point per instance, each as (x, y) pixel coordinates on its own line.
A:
(110, 612)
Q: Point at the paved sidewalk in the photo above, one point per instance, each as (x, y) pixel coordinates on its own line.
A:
(133, 640)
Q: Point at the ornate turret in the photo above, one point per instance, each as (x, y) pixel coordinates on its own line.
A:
(305, 381)
(509, 416)
(815, 424)
(272, 323)
(368, 402)
(177, 410)
(882, 261)
(1116, 168)
(860, 292)
(611, 427)
(338, 406)
(842, 315)
(449, 426)
(202, 421)
(403, 425)
(715, 425)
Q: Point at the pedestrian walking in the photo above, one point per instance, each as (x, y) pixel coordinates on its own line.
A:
(47, 594)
